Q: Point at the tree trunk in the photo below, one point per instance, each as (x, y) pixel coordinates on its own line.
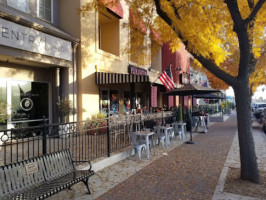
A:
(248, 159)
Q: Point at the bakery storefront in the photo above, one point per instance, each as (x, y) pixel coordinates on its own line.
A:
(37, 67)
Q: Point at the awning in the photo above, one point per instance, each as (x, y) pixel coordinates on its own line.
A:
(113, 78)
(156, 36)
(137, 22)
(113, 5)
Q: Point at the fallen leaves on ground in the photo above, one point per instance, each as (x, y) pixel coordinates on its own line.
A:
(235, 185)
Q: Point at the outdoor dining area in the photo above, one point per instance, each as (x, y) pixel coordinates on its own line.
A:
(148, 132)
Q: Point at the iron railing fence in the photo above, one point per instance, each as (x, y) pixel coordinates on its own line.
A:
(87, 140)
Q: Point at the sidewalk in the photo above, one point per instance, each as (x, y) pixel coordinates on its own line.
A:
(233, 161)
(180, 172)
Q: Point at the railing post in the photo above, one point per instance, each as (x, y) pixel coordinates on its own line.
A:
(44, 139)
(163, 121)
(108, 137)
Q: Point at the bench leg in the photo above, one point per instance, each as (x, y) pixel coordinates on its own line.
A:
(86, 182)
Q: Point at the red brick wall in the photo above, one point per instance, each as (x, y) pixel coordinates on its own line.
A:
(178, 59)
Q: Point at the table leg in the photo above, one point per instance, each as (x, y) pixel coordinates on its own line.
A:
(147, 146)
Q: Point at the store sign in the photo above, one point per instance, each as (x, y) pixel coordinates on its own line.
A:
(153, 96)
(136, 70)
(29, 39)
(184, 78)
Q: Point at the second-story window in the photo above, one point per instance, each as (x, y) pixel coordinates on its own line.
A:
(108, 31)
(21, 5)
(44, 9)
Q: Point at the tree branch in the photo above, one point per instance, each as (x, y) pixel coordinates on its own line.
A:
(235, 14)
(176, 9)
(162, 14)
(214, 69)
(254, 11)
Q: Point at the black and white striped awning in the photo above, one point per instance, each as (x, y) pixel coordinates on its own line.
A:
(111, 78)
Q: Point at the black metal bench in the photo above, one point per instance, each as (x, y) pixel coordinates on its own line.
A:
(41, 177)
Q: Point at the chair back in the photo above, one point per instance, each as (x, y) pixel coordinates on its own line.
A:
(157, 130)
(133, 138)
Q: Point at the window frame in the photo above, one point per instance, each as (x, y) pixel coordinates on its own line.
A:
(8, 3)
(52, 11)
(99, 37)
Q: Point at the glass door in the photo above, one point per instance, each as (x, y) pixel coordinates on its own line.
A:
(26, 102)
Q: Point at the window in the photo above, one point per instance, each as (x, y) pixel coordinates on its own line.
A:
(127, 102)
(44, 9)
(21, 5)
(114, 106)
(108, 31)
(104, 101)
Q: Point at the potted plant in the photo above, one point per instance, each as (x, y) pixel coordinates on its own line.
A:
(65, 108)
(3, 119)
(180, 114)
(3, 111)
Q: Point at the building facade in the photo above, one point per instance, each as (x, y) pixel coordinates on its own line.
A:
(50, 50)
(37, 62)
(109, 78)
(180, 67)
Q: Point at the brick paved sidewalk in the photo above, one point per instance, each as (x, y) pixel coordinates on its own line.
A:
(187, 172)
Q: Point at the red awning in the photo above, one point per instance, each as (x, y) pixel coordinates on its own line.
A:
(113, 5)
(137, 22)
(156, 36)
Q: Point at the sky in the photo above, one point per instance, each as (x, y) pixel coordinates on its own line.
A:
(259, 94)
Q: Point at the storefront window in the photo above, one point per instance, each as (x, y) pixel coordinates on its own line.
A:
(139, 100)
(29, 102)
(126, 101)
(45, 9)
(114, 105)
(21, 5)
(104, 101)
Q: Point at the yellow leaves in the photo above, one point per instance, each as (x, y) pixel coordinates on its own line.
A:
(256, 52)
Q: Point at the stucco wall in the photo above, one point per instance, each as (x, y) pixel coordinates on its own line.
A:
(14, 71)
(92, 59)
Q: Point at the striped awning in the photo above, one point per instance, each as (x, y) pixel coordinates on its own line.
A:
(112, 78)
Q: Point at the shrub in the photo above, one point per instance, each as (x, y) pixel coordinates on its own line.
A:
(180, 114)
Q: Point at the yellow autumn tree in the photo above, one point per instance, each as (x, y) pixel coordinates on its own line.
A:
(215, 32)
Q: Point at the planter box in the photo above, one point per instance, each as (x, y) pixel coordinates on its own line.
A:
(97, 128)
(63, 131)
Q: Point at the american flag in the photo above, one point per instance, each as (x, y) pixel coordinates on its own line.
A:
(167, 78)
(204, 83)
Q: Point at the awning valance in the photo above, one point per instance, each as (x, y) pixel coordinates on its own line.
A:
(113, 78)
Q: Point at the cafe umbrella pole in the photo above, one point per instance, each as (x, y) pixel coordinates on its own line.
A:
(190, 90)
(191, 141)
